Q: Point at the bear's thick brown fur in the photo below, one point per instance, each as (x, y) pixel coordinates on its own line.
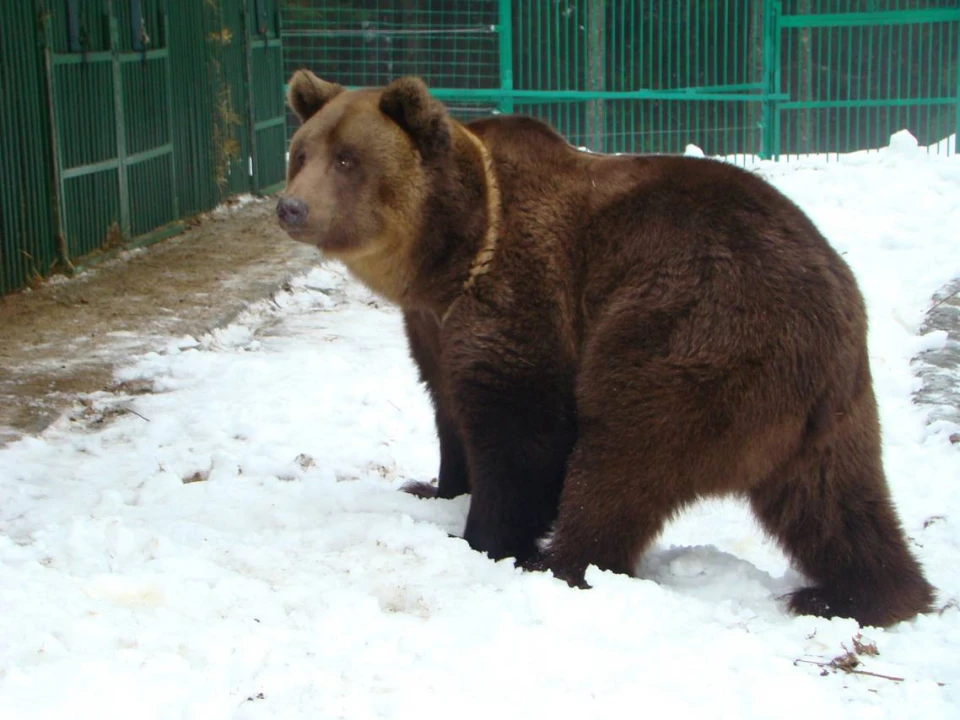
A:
(608, 338)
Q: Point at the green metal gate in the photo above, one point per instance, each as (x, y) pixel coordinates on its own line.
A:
(899, 65)
(120, 117)
(267, 113)
(109, 86)
(247, 86)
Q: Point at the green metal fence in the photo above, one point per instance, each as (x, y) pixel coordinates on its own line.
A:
(855, 72)
(120, 117)
(27, 246)
(736, 77)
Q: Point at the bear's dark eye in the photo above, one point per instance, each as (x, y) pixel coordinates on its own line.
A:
(297, 161)
(344, 160)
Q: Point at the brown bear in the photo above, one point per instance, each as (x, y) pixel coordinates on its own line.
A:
(607, 339)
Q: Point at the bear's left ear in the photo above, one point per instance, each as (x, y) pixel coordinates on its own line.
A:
(408, 103)
(306, 93)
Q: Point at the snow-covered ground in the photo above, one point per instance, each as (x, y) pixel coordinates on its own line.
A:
(233, 545)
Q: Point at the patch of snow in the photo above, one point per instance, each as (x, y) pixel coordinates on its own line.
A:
(904, 143)
(234, 203)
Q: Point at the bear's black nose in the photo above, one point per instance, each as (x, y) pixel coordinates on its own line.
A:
(291, 211)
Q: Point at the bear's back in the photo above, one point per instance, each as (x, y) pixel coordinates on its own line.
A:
(728, 261)
(656, 211)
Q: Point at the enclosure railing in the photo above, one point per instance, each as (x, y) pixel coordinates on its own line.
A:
(122, 117)
(119, 117)
(737, 77)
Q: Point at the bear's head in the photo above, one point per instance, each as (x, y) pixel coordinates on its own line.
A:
(359, 172)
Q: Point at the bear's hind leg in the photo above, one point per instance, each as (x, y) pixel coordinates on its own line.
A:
(606, 517)
(831, 511)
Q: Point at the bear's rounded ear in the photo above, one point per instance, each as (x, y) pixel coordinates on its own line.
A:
(408, 103)
(306, 93)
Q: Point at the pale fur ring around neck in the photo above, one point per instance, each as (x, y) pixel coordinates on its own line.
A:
(484, 258)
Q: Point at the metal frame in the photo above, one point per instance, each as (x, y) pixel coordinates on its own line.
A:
(776, 22)
(122, 160)
(768, 94)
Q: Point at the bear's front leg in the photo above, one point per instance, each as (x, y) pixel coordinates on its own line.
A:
(423, 335)
(452, 480)
(517, 442)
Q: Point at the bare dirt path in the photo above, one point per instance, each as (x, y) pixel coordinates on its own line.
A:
(66, 336)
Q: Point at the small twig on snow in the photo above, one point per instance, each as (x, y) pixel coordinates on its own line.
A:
(848, 664)
(130, 410)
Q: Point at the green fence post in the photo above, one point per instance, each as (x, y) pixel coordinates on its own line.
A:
(769, 139)
(174, 165)
(56, 156)
(122, 174)
(253, 168)
(956, 137)
(505, 27)
(596, 74)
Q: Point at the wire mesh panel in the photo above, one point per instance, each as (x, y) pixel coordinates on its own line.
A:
(857, 72)
(737, 77)
(661, 54)
(369, 43)
(663, 73)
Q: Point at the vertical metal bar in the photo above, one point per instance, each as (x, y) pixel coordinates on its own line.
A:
(630, 37)
(636, 33)
(174, 167)
(569, 79)
(927, 51)
(549, 49)
(822, 145)
(505, 23)
(136, 23)
(538, 24)
(908, 93)
(119, 120)
(956, 139)
(524, 58)
(655, 106)
(563, 30)
(855, 114)
(938, 43)
(596, 64)
(56, 164)
(770, 31)
(726, 72)
(890, 62)
(73, 25)
(688, 62)
(245, 29)
(261, 17)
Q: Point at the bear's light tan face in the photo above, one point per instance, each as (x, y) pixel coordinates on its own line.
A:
(354, 182)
